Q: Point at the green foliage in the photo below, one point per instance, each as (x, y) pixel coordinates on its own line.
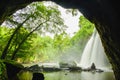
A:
(36, 17)
(47, 48)
(44, 48)
(81, 37)
(3, 75)
(5, 33)
(36, 47)
(62, 41)
(44, 18)
(26, 45)
(40, 46)
(86, 29)
(30, 42)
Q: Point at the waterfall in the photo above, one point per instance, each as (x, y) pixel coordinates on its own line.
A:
(94, 53)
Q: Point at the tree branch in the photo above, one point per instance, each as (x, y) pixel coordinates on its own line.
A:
(4, 53)
(14, 53)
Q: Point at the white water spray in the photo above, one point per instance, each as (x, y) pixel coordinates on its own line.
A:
(94, 53)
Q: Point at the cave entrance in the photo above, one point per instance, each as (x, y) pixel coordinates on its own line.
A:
(83, 74)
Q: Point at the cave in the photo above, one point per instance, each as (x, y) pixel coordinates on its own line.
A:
(103, 13)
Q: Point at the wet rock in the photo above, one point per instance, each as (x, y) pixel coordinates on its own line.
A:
(93, 67)
(35, 68)
(38, 76)
(75, 68)
(12, 68)
(50, 69)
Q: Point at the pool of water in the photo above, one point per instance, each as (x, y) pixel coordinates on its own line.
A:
(65, 75)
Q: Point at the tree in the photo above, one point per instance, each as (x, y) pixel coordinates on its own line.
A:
(82, 36)
(5, 33)
(4, 53)
(106, 20)
(41, 18)
(62, 42)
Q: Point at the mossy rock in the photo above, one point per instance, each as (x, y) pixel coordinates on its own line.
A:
(14, 63)
(12, 68)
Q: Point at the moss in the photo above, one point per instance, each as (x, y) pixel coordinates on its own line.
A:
(25, 75)
(13, 63)
(3, 74)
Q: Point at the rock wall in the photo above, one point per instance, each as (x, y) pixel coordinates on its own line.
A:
(104, 13)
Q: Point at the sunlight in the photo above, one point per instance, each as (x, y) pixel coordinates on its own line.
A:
(72, 22)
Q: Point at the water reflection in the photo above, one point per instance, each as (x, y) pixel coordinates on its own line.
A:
(64, 75)
(97, 76)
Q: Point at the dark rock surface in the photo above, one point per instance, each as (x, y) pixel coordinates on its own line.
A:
(93, 69)
(104, 13)
(12, 69)
(38, 76)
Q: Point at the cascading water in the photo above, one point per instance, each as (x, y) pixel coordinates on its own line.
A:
(94, 53)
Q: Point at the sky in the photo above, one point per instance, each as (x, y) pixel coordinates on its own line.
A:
(72, 22)
(69, 20)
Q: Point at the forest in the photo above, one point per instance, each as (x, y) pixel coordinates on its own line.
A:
(24, 39)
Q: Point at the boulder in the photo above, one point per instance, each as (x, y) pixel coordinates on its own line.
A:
(38, 76)
(93, 67)
(12, 68)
